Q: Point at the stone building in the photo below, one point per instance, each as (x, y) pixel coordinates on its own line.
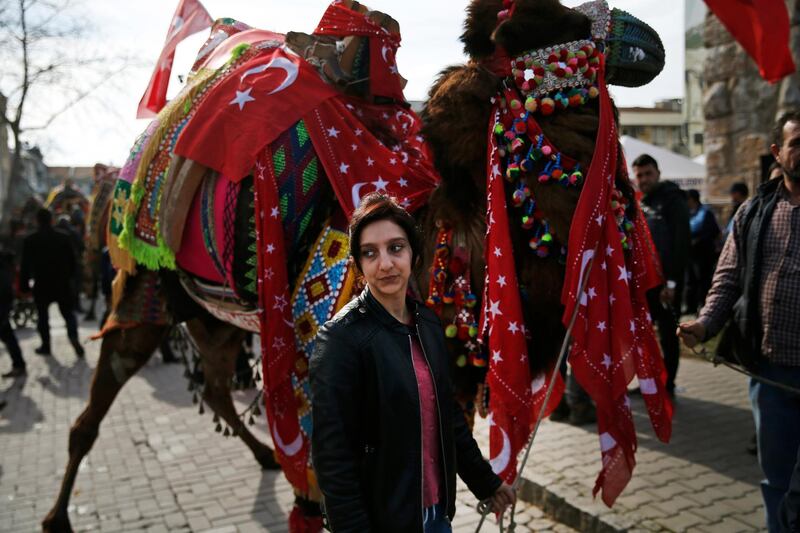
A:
(740, 108)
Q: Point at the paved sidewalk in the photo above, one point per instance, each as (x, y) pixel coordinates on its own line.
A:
(704, 480)
(156, 466)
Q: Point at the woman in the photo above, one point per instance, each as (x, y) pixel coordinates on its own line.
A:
(388, 436)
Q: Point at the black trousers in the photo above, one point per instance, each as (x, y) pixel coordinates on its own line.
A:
(66, 307)
(9, 338)
(666, 318)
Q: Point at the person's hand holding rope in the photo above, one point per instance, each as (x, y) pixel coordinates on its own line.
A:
(691, 333)
(504, 497)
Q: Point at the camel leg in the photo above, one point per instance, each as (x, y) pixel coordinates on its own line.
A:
(219, 344)
(122, 354)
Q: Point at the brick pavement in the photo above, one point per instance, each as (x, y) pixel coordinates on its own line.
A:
(704, 480)
(156, 466)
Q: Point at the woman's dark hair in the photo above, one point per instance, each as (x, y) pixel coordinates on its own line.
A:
(375, 207)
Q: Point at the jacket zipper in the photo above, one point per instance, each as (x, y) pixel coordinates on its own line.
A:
(439, 413)
(421, 429)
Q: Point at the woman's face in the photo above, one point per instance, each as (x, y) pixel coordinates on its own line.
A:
(385, 258)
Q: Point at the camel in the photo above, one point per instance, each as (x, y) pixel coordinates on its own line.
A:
(455, 125)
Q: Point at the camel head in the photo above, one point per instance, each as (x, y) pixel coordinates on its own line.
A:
(503, 29)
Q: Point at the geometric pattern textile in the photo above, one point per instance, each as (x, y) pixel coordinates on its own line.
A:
(324, 286)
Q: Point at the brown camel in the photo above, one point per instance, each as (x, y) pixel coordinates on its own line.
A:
(456, 122)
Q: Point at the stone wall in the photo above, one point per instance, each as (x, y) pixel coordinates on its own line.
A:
(740, 108)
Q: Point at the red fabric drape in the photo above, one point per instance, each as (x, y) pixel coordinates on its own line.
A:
(762, 28)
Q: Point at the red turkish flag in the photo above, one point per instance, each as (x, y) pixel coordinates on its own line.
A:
(613, 338)
(257, 100)
(516, 397)
(762, 28)
(190, 17)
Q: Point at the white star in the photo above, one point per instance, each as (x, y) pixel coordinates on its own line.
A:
(627, 402)
(343, 168)
(270, 248)
(496, 356)
(353, 147)
(385, 116)
(242, 97)
(402, 182)
(611, 299)
(606, 361)
(405, 203)
(501, 280)
(633, 327)
(592, 292)
(601, 325)
(495, 170)
(494, 309)
(393, 161)
(358, 132)
(333, 132)
(275, 212)
(380, 185)
(609, 250)
(269, 273)
(599, 220)
(623, 274)
(393, 69)
(278, 343)
(370, 161)
(513, 327)
(497, 252)
(280, 302)
(603, 265)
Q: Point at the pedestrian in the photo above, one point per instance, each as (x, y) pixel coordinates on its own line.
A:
(757, 286)
(664, 206)
(7, 335)
(388, 435)
(49, 259)
(65, 225)
(703, 252)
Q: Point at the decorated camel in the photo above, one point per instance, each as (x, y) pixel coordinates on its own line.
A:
(105, 179)
(230, 214)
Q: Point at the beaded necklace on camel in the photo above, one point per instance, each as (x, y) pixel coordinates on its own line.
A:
(542, 81)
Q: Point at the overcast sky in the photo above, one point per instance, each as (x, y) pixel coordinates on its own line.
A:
(103, 128)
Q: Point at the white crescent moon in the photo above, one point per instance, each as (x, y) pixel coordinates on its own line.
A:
(384, 49)
(278, 62)
(501, 460)
(356, 195)
(290, 449)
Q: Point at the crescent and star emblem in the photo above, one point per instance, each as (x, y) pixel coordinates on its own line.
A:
(500, 461)
(288, 449)
(291, 69)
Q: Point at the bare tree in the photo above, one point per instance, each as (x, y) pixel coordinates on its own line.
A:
(48, 67)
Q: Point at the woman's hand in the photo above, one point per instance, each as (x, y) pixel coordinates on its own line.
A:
(503, 497)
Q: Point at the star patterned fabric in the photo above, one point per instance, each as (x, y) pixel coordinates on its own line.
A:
(516, 397)
(612, 339)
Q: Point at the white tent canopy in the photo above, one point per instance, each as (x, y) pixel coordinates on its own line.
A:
(674, 167)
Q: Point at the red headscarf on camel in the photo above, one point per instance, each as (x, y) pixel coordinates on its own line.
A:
(552, 135)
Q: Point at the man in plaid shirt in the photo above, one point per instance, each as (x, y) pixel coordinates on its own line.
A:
(757, 284)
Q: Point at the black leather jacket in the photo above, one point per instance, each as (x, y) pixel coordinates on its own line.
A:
(367, 440)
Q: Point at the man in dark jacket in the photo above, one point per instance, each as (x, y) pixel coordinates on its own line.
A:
(664, 207)
(49, 259)
(7, 335)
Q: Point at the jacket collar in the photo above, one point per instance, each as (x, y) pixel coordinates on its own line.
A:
(373, 306)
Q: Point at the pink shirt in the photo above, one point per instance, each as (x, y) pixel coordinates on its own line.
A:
(431, 445)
